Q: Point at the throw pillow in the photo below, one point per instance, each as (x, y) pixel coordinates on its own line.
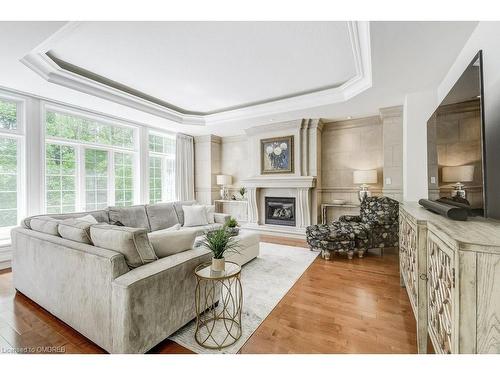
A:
(75, 230)
(210, 210)
(88, 219)
(45, 224)
(133, 243)
(168, 242)
(194, 216)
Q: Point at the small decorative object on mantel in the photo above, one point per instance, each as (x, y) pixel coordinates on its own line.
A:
(219, 242)
(446, 210)
(364, 178)
(232, 227)
(276, 155)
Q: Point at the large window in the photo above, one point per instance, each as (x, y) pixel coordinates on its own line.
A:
(161, 168)
(96, 179)
(124, 179)
(60, 171)
(10, 167)
(8, 115)
(89, 164)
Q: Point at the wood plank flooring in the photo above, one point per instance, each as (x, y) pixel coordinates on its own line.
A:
(337, 306)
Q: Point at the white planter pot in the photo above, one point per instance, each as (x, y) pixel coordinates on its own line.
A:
(218, 265)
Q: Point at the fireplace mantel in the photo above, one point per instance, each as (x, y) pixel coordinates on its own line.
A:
(297, 186)
(280, 182)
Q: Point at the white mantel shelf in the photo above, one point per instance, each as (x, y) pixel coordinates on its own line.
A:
(274, 181)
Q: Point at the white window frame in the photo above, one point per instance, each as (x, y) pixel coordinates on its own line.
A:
(81, 146)
(19, 135)
(163, 158)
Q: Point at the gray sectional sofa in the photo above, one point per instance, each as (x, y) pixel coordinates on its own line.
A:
(94, 289)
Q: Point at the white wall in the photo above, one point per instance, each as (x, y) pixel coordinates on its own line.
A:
(417, 110)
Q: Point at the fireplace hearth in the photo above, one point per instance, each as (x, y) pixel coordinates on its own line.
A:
(280, 211)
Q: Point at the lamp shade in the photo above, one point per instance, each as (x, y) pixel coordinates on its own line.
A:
(224, 179)
(461, 173)
(365, 177)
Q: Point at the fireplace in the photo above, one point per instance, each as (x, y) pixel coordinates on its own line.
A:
(280, 211)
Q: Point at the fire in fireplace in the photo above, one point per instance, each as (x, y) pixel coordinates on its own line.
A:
(280, 211)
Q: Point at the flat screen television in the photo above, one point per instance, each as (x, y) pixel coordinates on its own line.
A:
(455, 142)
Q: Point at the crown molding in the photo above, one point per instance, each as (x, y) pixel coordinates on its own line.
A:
(353, 123)
(359, 33)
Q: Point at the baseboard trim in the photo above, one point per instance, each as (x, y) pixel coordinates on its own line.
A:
(5, 264)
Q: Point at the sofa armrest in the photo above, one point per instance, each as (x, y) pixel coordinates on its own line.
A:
(350, 218)
(151, 302)
(221, 218)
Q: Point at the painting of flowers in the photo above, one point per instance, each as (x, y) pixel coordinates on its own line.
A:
(277, 155)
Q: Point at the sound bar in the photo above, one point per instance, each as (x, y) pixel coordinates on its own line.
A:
(446, 210)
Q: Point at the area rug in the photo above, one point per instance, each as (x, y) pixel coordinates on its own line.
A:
(265, 281)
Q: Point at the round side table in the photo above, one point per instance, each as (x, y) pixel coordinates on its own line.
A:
(218, 299)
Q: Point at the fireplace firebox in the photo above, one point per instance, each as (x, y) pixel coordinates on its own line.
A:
(280, 211)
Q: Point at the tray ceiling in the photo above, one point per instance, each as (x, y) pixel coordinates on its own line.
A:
(201, 72)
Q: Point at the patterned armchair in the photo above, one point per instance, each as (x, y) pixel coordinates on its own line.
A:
(375, 227)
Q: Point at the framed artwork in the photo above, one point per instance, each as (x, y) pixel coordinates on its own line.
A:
(276, 155)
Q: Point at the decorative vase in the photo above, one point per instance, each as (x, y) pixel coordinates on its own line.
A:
(218, 265)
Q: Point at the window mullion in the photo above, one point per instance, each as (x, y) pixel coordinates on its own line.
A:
(111, 178)
(81, 178)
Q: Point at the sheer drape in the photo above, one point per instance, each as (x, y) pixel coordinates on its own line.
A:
(184, 167)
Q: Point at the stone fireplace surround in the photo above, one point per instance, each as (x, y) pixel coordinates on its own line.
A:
(298, 187)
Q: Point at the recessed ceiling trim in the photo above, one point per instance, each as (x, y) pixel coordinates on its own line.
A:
(54, 70)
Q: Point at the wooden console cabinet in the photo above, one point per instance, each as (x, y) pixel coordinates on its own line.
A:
(451, 271)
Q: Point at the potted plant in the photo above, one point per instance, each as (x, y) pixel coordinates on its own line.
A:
(219, 242)
(231, 226)
(243, 191)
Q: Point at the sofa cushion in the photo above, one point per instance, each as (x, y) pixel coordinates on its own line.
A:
(179, 211)
(45, 224)
(161, 215)
(133, 216)
(210, 211)
(167, 242)
(76, 230)
(200, 230)
(194, 216)
(101, 216)
(88, 219)
(133, 243)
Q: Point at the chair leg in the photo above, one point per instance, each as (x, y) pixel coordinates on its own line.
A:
(350, 253)
(361, 253)
(325, 254)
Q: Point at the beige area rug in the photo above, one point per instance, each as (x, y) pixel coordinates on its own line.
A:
(265, 281)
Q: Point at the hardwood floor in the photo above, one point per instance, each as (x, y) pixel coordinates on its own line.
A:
(337, 306)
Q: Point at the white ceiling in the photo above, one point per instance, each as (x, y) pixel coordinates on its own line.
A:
(405, 57)
(207, 67)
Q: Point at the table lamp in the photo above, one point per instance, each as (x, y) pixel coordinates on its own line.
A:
(364, 178)
(458, 175)
(224, 180)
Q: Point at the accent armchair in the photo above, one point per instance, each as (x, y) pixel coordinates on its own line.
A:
(375, 227)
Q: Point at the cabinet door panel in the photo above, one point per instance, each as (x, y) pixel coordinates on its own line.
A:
(441, 290)
(408, 259)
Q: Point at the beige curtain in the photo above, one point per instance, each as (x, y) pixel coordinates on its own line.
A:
(184, 167)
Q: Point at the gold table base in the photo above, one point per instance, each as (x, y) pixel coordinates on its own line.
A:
(218, 311)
